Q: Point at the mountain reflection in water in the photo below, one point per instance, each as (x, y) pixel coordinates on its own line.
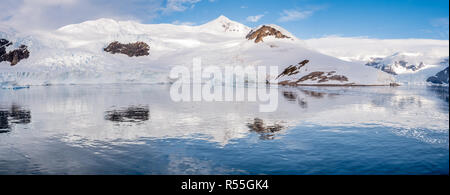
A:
(133, 114)
(14, 115)
(266, 132)
(138, 129)
(301, 95)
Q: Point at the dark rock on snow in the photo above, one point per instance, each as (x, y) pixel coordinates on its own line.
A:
(320, 77)
(265, 31)
(293, 70)
(440, 78)
(14, 56)
(131, 49)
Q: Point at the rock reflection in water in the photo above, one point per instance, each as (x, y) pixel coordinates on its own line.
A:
(301, 99)
(133, 114)
(441, 92)
(290, 96)
(266, 132)
(14, 115)
(313, 94)
(293, 97)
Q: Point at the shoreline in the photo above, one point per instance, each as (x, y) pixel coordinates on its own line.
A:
(340, 85)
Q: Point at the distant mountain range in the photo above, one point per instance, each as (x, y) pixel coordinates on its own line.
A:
(411, 61)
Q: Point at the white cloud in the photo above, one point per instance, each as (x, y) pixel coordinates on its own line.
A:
(254, 18)
(179, 5)
(362, 48)
(294, 15)
(27, 15)
(177, 22)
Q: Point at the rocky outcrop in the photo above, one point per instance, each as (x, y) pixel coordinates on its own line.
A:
(3, 44)
(265, 31)
(293, 70)
(440, 78)
(14, 56)
(320, 77)
(131, 49)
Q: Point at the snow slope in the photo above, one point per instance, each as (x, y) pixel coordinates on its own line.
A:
(74, 54)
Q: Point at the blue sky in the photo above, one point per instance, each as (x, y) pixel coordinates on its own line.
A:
(384, 19)
(318, 18)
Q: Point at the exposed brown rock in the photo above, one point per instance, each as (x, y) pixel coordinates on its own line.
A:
(293, 70)
(322, 77)
(312, 76)
(265, 31)
(14, 56)
(319, 76)
(131, 49)
(339, 78)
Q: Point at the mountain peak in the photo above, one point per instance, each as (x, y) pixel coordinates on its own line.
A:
(224, 24)
(222, 18)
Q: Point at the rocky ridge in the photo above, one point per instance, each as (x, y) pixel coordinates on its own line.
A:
(265, 31)
(440, 78)
(318, 76)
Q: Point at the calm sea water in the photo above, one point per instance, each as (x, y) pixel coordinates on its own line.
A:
(138, 129)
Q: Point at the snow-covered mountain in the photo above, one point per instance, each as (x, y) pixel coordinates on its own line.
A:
(398, 63)
(412, 61)
(74, 54)
(409, 68)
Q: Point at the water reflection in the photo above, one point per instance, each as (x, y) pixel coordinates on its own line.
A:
(301, 96)
(132, 114)
(314, 130)
(14, 115)
(88, 114)
(398, 102)
(290, 96)
(441, 92)
(314, 94)
(266, 132)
